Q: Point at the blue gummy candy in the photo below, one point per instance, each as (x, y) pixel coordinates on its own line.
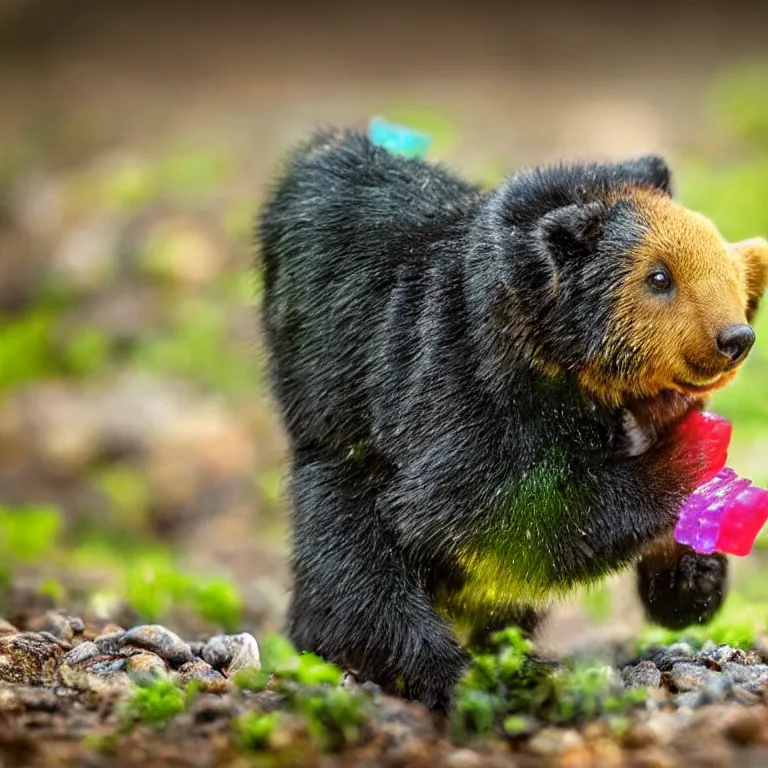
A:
(398, 139)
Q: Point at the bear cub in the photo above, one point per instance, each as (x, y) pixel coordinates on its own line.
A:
(482, 393)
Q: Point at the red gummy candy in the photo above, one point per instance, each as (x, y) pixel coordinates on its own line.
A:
(742, 521)
(706, 436)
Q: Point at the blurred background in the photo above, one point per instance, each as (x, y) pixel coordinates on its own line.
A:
(141, 461)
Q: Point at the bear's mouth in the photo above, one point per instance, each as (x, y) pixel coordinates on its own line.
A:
(697, 389)
(716, 382)
(703, 379)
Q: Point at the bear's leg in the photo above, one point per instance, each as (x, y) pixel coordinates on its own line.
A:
(679, 587)
(526, 617)
(356, 602)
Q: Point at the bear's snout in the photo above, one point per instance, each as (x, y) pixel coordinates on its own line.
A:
(734, 342)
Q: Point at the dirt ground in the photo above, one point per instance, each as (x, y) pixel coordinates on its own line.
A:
(518, 86)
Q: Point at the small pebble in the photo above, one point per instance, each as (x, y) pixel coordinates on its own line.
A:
(653, 758)
(232, 652)
(757, 687)
(464, 758)
(109, 630)
(106, 666)
(29, 658)
(689, 699)
(744, 696)
(744, 725)
(643, 675)
(681, 649)
(109, 642)
(665, 658)
(745, 673)
(9, 702)
(151, 637)
(685, 676)
(664, 726)
(61, 626)
(606, 753)
(716, 688)
(760, 647)
(82, 653)
(145, 665)
(550, 742)
(657, 698)
(45, 635)
(104, 675)
(638, 736)
(717, 656)
(203, 672)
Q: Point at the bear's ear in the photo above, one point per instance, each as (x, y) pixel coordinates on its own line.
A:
(646, 171)
(572, 232)
(753, 257)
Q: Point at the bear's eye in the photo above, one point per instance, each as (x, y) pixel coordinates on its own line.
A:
(660, 280)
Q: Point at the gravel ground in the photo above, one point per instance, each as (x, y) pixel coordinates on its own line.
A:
(64, 684)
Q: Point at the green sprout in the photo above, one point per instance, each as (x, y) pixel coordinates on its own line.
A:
(86, 351)
(505, 690)
(515, 725)
(128, 496)
(253, 730)
(312, 670)
(200, 350)
(154, 584)
(156, 703)
(26, 348)
(53, 590)
(334, 716)
(219, 602)
(251, 679)
(105, 744)
(28, 534)
(280, 657)
(475, 712)
(277, 653)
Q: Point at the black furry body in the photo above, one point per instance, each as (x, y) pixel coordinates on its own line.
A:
(410, 320)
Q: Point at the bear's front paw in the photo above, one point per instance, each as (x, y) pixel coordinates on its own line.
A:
(677, 593)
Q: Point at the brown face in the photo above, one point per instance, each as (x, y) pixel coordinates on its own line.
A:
(682, 319)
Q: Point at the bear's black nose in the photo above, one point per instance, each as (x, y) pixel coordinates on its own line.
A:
(735, 341)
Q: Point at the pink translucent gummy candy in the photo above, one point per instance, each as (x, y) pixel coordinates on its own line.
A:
(742, 521)
(700, 520)
(725, 512)
(707, 436)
